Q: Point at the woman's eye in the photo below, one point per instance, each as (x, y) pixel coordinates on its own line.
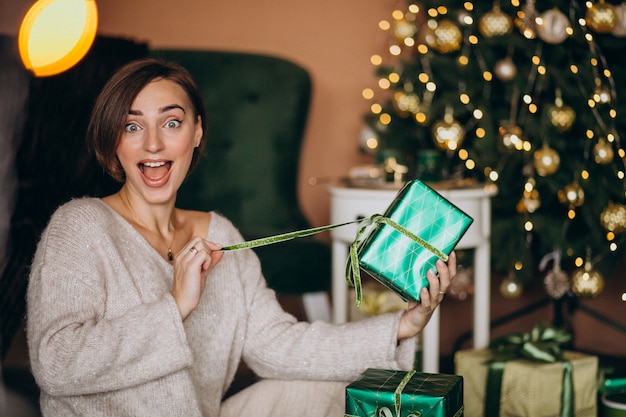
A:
(172, 124)
(131, 128)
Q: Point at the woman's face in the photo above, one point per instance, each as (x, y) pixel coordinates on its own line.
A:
(157, 142)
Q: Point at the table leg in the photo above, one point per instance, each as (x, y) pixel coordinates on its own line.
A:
(430, 345)
(482, 290)
(339, 286)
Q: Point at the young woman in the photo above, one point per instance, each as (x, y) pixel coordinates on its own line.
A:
(134, 311)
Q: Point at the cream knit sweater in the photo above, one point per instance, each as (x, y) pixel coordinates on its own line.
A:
(106, 338)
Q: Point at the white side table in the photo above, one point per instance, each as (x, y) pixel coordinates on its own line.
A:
(347, 204)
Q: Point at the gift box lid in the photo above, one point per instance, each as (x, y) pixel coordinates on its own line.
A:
(390, 393)
(396, 260)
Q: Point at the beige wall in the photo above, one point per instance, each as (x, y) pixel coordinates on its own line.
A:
(333, 39)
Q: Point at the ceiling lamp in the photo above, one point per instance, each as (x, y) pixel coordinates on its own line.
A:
(56, 34)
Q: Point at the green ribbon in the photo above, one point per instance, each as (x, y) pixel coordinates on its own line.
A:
(282, 237)
(541, 344)
(397, 399)
(353, 273)
(353, 261)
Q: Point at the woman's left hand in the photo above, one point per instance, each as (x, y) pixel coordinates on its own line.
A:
(417, 315)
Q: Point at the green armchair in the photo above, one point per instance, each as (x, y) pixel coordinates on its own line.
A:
(257, 108)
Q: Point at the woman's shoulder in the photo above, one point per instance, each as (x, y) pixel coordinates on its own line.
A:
(80, 213)
(81, 207)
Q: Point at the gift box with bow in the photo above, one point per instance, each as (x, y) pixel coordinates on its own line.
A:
(388, 393)
(528, 374)
(400, 246)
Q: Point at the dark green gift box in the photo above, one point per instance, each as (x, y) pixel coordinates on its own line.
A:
(388, 393)
(400, 262)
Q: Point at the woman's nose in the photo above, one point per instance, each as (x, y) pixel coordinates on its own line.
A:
(153, 141)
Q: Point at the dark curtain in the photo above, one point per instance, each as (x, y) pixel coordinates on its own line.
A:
(52, 163)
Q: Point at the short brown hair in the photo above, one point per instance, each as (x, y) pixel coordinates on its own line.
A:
(114, 101)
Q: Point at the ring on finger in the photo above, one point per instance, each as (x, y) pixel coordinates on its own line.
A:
(442, 292)
(193, 250)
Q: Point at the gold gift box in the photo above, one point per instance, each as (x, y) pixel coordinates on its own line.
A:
(529, 389)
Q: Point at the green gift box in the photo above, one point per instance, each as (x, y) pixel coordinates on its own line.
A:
(612, 382)
(419, 227)
(388, 393)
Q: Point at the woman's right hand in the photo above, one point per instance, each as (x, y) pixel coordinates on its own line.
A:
(191, 268)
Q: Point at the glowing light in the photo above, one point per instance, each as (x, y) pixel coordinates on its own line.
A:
(56, 34)
(367, 93)
(376, 60)
(395, 50)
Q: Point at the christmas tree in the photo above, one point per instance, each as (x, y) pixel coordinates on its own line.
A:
(524, 96)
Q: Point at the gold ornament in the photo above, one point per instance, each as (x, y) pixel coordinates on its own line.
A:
(556, 282)
(505, 69)
(445, 38)
(603, 152)
(613, 218)
(448, 134)
(561, 116)
(510, 135)
(510, 288)
(406, 103)
(601, 94)
(587, 282)
(572, 194)
(529, 202)
(495, 23)
(601, 17)
(546, 161)
(620, 23)
(554, 26)
(526, 20)
(403, 28)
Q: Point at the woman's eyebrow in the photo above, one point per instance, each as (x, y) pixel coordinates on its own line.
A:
(171, 107)
(161, 110)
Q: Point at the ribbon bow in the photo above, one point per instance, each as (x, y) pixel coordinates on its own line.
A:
(353, 274)
(541, 344)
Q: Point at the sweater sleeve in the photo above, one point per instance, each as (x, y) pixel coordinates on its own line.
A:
(278, 346)
(76, 347)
